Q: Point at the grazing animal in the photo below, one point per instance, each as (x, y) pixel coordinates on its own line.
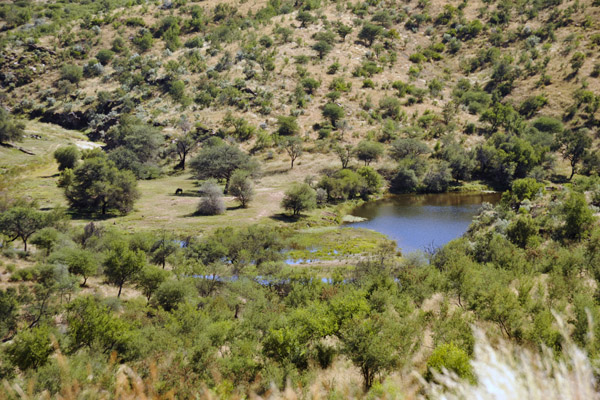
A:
(179, 191)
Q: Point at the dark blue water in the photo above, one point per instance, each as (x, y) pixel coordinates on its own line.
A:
(421, 222)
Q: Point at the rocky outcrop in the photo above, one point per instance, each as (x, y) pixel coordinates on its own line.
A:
(68, 120)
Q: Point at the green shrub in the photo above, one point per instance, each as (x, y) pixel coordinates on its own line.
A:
(548, 125)
(417, 58)
(368, 83)
(104, 56)
(31, 348)
(67, 157)
(448, 356)
(333, 68)
(71, 73)
(177, 90)
(143, 40)
(339, 84)
(194, 42)
(170, 294)
(526, 189)
(521, 229)
(118, 45)
(171, 38)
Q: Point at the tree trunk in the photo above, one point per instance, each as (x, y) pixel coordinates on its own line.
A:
(572, 170)
(25, 244)
(103, 207)
(120, 287)
(292, 164)
(226, 189)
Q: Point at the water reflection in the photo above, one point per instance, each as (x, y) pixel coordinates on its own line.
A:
(417, 222)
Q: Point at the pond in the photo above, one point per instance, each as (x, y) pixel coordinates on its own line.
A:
(422, 221)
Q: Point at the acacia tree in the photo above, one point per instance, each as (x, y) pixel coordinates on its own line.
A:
(98, 184)
(368, 151)
(344, 154)
(241, 187)
(182, 146)
(369, 33)
(370, 347)
(122, 264)
(163, 247)
(21, 222)
(305, 18)
(219, 162)
(298, 198)
(402, 148)
(573, 145)
(46, 238)
(343, 31)
(150, 279)
(378, 343)
(293, 146)
(82, 262)
(322, 48)
(333, 113)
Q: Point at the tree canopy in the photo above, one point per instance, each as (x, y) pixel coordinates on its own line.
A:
(300, 197)
(219, 162)
(97, 184)
(22, 221)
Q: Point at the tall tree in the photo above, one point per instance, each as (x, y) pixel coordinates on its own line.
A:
(293, 146)
(368, 151)
(369, 33)
(82, 262)
(182, 146)
(407, 147)
(21, 222)
(573, 145)
(344, 153)
(298, 198)
(333, 113)
(122, 264)
(97, 184)
(163, 247)
(241, 187)
(219, 162)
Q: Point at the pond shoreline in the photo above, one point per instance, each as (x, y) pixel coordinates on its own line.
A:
(421, 221)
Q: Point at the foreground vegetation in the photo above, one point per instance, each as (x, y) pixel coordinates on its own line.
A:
(225, 315)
